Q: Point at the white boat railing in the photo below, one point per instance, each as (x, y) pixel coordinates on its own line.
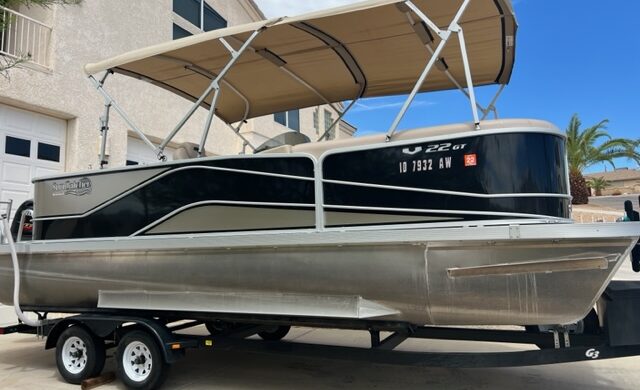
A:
(22, 37)
(5, 208)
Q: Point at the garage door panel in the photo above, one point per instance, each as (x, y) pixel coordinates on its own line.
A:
(50, 128)
(20, 120)
(17, 196)
(44, 155)
(16, 173)
(41, 171)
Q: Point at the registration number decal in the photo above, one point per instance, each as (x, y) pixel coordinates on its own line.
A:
(425, 165)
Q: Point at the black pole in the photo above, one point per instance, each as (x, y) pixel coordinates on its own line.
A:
(635, 252)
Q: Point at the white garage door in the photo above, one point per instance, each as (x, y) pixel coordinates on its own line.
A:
(139, 153)
(31, 145)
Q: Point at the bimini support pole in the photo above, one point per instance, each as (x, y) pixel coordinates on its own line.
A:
(441, 65)
(104, 126)
(214, 86)
(467, 73)
(492, 106)
(416, 88)
(236, 130)
(112, 103)
(337, 121)
(104, 132)
(444, 38)
(211, 76)
(282, 65)
(235, 55)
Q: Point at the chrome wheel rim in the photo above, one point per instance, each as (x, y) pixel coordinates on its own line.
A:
(137, 361)
(74, 355)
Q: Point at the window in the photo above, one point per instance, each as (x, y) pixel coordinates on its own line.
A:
(48, 152)
(290, 119)
(188, 9)
(17, 146)
(328, 121)
(316, 122)
(280, 117)
(212, 20)
(179, 32)
(294, 120)
(198, 13)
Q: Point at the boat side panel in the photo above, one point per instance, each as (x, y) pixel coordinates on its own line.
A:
(510, 173)
(504, 282)
(286, 183)
(77, 195)
(392, 276)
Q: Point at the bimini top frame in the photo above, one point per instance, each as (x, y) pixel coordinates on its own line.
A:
(374, 48)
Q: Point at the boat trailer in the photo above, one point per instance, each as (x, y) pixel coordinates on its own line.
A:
(87, 336)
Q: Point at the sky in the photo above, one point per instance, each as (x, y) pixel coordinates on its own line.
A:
(572, 56)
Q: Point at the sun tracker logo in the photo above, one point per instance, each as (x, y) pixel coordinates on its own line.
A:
(77, 187)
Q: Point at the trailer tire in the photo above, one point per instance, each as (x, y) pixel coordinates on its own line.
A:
(79, 354)
(141, 364)
(216, 328)
(276, 334)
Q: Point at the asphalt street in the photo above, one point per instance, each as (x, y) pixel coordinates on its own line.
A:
(615, 202)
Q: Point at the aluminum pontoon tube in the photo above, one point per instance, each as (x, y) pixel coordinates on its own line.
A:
(16, 276)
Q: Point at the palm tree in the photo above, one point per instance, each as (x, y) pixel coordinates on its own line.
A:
(598, 184)
(582, 153)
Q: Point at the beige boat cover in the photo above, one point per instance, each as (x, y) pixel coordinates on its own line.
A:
(361, 50)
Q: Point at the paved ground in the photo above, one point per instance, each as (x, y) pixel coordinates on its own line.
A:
(615, 202)
(24, 364)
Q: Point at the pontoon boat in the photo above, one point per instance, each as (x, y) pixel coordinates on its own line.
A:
(460, 224)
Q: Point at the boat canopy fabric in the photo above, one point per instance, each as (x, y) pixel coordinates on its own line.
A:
(363, 50)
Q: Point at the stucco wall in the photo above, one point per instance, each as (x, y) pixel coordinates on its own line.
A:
(98, 29)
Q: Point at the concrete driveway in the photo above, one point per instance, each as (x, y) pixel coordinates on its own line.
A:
(24, 364)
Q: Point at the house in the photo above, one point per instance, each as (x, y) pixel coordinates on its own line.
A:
(622, 181)
(49, 112)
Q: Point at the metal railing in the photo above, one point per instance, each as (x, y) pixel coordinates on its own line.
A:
(22, 37)
(5, 209)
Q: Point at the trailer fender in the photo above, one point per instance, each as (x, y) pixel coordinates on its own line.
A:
(56, 331)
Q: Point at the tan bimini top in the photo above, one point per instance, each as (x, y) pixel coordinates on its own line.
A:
(373, 48)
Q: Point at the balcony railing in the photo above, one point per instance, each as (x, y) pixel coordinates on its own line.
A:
(22, 37)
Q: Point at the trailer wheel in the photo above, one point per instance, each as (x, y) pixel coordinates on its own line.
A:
(274, 335)
(141, 364)
(216, 328)
(79, 354)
